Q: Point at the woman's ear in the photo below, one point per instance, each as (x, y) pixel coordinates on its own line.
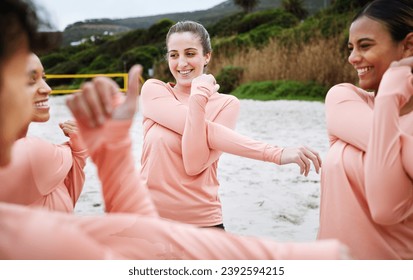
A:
(207, 58)
(408, 45)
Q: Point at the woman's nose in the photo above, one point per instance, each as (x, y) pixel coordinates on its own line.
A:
(354, 57)
(45, 88)
(182, 61)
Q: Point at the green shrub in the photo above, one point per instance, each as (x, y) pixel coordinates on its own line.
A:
(274, 17)
(228, 45)
(342, 6)
(120, 44)
(229, 78)
(100, 62)
(145, 55)
(282, 89)
(53, 59)
(157, 32)
(226, 26)
(85, 57)
(260, 36)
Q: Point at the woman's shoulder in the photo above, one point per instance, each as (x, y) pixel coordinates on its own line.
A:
(153, 83)
(155, 86)
(225, 100)
(342, 87)
(226, 97)
(347, 91)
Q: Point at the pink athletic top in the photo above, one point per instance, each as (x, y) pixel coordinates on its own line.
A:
(44, 174)
(184, 136)
(27, 233)
(373, 219)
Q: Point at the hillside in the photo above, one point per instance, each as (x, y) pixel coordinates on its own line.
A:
(79, 30)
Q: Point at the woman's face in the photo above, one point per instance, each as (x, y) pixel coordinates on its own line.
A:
(371, 51)
(16, 101)
(185, 57)
(40, 89)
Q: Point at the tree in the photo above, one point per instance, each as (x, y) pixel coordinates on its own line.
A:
(342, 6)
(247, 5)
(295, 7)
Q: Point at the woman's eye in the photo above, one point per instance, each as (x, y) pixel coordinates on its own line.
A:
(172, 55)
(190, 54)
(32, 80)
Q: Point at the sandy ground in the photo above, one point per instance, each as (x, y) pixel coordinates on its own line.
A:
(259, 198)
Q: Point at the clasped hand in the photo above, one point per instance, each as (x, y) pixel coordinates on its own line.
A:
(95, 102)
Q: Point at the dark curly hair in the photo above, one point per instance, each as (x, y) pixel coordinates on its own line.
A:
(18, 22)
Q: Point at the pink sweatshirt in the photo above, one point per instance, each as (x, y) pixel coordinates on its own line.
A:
(27, 233)
(44, 174)
(371, 216)
(184, 136)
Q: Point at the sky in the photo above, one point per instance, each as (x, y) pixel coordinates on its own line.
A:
(64, 12)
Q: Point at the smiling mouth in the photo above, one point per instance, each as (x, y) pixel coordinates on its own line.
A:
(363, 70)
(42, 104)
(184, 72)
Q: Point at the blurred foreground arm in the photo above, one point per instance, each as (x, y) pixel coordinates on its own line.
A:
(104, 119)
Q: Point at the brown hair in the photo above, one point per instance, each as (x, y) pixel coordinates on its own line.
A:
(195, 28)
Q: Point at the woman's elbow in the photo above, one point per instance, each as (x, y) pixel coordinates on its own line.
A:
(386, 216)
(192, 171)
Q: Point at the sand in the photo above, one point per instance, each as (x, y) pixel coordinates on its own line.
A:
(259, 198)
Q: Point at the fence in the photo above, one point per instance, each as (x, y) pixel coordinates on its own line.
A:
(78, 76)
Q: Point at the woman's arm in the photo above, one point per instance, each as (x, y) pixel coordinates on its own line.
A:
(49, 163)
(29, 234)
(162, 107)
(389, 189)
(197, 155)
(75, 179)
(348, 115)
(106, 135)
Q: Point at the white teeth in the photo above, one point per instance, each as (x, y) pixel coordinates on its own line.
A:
(185, 72)
(42, 104)
(363, 70)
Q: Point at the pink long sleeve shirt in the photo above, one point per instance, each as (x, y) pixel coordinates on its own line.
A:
(184, 136)
(27, 233)
(372, 217)
(44, 174)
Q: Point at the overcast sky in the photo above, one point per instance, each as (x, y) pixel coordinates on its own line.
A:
(65, 12)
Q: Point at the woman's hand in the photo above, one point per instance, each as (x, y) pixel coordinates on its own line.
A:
(408, 61)
(206, 79)
(94, 103)
(303, 157)
(69, 128)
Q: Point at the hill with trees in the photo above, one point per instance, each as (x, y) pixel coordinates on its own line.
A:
(95, 27)
(265, 54)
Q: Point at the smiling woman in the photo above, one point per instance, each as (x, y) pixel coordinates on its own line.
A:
(27, 233)
(188, 125)
(57, 182)
(374, 220)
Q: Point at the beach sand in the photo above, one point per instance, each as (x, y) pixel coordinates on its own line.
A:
(259, 198)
